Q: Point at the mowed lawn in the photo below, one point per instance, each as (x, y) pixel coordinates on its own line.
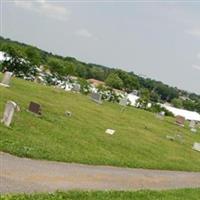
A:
(183, 194)
(139, 142)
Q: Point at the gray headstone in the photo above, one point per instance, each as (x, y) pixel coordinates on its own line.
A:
(162, 113)
(9, 111)
(196, 146)
(96, 97)
(76, 88)
(6, 79)
(123, 102)
(192, 124)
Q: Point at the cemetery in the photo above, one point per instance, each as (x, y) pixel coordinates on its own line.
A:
(135, 138)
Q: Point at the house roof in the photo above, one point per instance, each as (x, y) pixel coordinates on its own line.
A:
(95, 82)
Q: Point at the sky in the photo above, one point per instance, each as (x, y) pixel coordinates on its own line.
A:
(155, 39)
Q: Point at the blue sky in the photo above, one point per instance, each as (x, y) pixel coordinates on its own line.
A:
(158, 39)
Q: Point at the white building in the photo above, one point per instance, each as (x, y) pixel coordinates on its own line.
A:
(189, 115)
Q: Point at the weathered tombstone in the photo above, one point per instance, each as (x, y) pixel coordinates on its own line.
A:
(96, 97)
(169, 137)
(9, 111)
(194, 130)
(196, 146)
(160, 115)
(123, 102)
(35, 108)
(68, 114)
(180, 120)
(6, 79)
(192, 124)
(76, 88)
(110, 131)
(177, 137)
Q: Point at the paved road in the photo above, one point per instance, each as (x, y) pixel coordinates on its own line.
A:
(26, 175)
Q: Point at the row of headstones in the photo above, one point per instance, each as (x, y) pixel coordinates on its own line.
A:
(76, 88)
(36, 108)
(11, 107)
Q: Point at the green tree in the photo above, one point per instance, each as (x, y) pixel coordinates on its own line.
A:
(56, 66)
(144, 98)
(33, 55)
(177, 103)
(16, 61)
(114, 81)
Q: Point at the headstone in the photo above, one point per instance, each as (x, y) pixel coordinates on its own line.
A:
(160, 115)
(9, 111)
(35, 108)
(123, 102)
(76, 88)
(169, 137)
(68, 114)
(180, 120)
(6, 79)
(194, 130)
(110, 131)
(96, 97)
(192, 124)
(177, 137)
(196, 146)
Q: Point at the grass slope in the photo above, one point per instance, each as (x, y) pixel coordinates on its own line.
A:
(183, 194)
(140, 139)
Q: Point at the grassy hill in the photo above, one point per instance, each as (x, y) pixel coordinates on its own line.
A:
(140, 139)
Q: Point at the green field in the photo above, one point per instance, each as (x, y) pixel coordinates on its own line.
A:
(183, 194)
(139, 142)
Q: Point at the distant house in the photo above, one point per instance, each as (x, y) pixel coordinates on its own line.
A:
(95, 82)
(188, 115)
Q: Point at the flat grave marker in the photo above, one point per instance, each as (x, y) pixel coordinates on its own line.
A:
(6, 79)
(110, 131)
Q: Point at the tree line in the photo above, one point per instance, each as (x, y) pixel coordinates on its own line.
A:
(24, 57)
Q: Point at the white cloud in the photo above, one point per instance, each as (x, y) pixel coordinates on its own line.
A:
(46, 8)
(84, 33)
(194, 32)
(196, 67)
(198, 55)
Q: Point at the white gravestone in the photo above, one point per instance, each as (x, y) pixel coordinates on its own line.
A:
(196, 146)
(10, 108)
(6, 79)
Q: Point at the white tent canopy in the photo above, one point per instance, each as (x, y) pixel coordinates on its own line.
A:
(189, 115)
(133, 99)
(2, 58)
